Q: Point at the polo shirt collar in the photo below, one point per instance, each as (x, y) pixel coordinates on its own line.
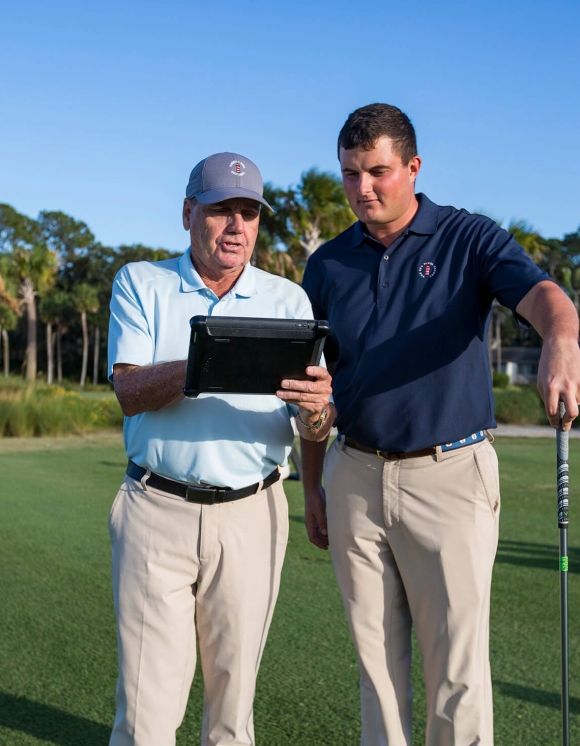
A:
(426, 218)
(246, 284)
(424, 222)
(191, 281)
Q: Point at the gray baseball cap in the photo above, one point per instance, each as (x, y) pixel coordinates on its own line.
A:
(225, 176)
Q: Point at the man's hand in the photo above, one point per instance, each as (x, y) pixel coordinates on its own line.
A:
(312, 397)
(554, 317)
(559, 380)
(315, 516)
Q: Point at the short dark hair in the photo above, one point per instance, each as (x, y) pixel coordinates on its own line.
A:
(365, 125)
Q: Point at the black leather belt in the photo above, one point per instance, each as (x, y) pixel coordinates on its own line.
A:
(390, 455)
(194, 494)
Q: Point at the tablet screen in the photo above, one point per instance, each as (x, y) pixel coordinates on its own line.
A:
(239, 355)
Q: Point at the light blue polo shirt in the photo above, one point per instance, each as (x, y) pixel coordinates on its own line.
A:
(226, 440)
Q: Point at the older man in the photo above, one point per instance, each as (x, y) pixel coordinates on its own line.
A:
(412, 484)
(199, 526)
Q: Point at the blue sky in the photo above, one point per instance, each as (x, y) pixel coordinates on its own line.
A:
(105, 108)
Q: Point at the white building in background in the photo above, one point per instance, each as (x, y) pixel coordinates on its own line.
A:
(521, 363)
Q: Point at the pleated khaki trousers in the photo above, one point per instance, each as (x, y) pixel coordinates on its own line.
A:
(413, 544)
(182, 570)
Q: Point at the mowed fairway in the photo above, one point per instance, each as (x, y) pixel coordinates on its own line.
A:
(57, 633)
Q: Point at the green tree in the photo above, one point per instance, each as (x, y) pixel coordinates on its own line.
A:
(7, 299)
(86, 300)
(54, 309)
(318, 211)
(274, 236)
(8, 321)
(303, 218)
(571, 242)
(65, 236)
(10, 310)
(31, 265)
(534, 245)
(139, 253)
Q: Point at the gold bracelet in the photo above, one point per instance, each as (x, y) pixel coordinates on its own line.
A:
(319, 422)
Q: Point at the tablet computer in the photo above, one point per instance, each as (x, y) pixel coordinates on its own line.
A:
(236, 355)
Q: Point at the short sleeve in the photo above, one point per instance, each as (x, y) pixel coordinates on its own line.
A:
(130, 339)
(312, 284)
(507, 271)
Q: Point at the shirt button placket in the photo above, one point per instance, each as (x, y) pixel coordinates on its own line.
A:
(385, 284)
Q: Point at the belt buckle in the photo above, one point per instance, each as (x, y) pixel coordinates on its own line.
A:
(204, 496)
(219, 496)
(388, 455)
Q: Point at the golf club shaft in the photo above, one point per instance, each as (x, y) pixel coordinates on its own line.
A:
(563, 486)
(564, 634)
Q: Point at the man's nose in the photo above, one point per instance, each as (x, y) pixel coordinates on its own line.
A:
(364, 184)
(235, 223)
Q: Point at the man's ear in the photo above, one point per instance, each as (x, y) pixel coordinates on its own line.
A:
(186, 215)
(415, 166)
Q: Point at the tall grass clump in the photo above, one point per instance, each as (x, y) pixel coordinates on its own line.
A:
(28, 411)
(519, 405)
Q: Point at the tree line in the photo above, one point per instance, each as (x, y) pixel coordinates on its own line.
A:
(56, 276)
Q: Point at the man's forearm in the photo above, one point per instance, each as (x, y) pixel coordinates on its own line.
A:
(549, 310)
(554, 317)
(148, 388)
(313, 453)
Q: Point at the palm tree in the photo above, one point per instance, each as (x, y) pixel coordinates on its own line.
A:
(533, 244)
(8, 321)
(54, 308)
(7, 299)
(270, 258)
(571, 283)
(32, 267)
(10, 310)
(86, 300)
(319, 210)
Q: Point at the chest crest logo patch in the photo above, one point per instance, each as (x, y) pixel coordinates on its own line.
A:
(427, 269)
(238, 168)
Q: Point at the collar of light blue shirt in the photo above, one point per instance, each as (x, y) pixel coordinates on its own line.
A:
(192, 282)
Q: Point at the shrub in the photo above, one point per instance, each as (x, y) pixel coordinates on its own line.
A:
(52, 410)
(500, 379)
(520, 405)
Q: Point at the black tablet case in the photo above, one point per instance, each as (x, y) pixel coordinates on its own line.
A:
(235, 355)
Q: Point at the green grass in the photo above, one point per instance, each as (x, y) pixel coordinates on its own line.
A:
(57, 633)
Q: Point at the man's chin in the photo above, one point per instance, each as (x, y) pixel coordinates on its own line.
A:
(371, 216)
(373, 219)
(231, 263)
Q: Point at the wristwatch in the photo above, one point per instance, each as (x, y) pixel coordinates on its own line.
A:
(319, 422)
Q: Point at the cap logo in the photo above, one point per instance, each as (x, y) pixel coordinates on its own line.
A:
(427, 269)
(237, 170)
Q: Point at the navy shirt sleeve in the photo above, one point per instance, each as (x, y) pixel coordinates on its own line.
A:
(507, 272)
(312, 284)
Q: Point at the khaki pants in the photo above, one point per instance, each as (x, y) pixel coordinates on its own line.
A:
(413, 543)
(179, 568)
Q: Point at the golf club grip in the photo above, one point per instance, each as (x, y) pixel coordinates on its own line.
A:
(563, 478)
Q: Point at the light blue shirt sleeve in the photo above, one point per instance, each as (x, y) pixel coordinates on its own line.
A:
(130, 339)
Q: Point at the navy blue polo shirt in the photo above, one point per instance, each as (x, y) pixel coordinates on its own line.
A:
(409, 324)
